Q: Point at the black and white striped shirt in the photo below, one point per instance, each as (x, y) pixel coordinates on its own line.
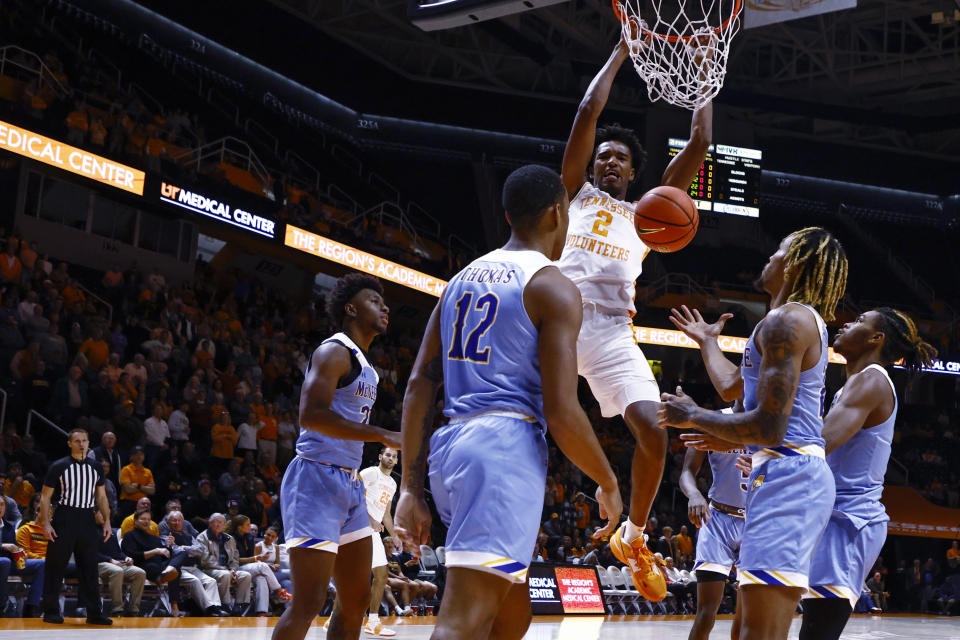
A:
(74, 482)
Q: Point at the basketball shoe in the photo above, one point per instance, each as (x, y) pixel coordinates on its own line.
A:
(648, 577)
(370, 628)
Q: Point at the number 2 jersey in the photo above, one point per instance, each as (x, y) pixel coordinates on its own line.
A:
(603, 254)
(490, 354)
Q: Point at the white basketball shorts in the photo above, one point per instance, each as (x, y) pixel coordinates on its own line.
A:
(379, 553)
(615, 368)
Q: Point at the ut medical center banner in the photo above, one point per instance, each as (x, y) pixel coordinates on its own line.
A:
(913, 515)
(564, 589)
(759, 13)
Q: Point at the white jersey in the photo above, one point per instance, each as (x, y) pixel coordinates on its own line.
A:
(603, 253)
(380, 489)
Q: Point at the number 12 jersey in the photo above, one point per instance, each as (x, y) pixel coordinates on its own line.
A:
(490, 347)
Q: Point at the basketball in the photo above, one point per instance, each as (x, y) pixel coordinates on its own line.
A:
(666, 219)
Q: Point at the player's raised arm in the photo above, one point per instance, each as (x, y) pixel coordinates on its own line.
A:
(784, 337)
(724, 375)
(862, 394)
(556, 310)
(579, 149)
(412, 519)
(329, 363)
(697, 508)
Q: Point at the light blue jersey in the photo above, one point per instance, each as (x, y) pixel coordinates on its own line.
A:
(729, 483)
(354, 401)
(806, 416)
(491, 361)
(791, 489)
(858, 525)
(860, 464)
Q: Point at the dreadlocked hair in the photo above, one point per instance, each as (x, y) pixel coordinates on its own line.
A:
(817, 266)
(619, 133)
(901, 340)
(347, 287)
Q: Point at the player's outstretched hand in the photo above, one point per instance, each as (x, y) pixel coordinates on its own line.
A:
(392, 439)
(693, 324)
(744, 463)
(697, 510)
(412, 521)
(611, 508)
(676, 410)
(707, 442)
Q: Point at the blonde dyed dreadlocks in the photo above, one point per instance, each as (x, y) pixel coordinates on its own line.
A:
(816, 266)
(901, 340)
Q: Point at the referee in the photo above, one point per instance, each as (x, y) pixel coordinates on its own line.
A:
(76, 484)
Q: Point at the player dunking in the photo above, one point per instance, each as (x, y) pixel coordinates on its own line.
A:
(325, 520)
(791, 490)
(603, 257)
(503, 341)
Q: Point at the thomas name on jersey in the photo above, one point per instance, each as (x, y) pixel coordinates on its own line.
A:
(488, 276)
(366, 390)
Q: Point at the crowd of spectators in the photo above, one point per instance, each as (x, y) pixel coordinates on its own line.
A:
(95, 111)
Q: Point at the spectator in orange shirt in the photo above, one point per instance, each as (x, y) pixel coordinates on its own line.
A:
(267, 436)
(953, 554)
(17, 486)
(29, 255)
(580, 504)
(78, 124)
(11, 268)
(136, 481)
(31, 538)
(224, 439)
(73, 294)
(96, 349)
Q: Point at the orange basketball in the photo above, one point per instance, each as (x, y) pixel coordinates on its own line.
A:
(666, 219)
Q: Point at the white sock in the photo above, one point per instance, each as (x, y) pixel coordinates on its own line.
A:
(630, 531)
(399, 610)
(373, 618)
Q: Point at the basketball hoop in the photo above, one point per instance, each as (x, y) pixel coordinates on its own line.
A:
(682, 54)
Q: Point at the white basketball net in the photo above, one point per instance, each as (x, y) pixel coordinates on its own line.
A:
(681, 51)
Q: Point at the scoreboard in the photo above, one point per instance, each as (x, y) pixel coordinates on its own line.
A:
(728, 180)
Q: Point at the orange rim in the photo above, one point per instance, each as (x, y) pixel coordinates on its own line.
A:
(622, 17)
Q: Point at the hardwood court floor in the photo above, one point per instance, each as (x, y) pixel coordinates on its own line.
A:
(887, 627)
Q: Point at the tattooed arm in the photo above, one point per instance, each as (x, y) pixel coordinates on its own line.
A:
(783, 339)
(555, 308)
(412, 519)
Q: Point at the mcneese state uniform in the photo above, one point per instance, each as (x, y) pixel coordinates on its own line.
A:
(322, 497)
(603, 256)
(858, 525)
(791, 489)
(380, 489)
(488, 465)
(718, 543)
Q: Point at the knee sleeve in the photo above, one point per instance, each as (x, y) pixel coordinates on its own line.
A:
(824, 619)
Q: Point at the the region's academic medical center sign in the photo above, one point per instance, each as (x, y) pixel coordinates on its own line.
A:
(217, 209)
(346, 255)
(63, 156)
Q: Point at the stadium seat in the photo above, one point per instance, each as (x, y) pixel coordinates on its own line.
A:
(428, 562)
(442, 555)
(611, 595)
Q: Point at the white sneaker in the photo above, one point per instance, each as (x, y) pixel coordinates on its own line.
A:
(377, 629)
(407, 611)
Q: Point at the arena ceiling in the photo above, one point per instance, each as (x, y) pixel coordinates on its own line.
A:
(880, 76)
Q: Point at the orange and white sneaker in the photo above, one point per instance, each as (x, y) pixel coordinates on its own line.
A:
(326, 625)
(648, 576)
(372, 628)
